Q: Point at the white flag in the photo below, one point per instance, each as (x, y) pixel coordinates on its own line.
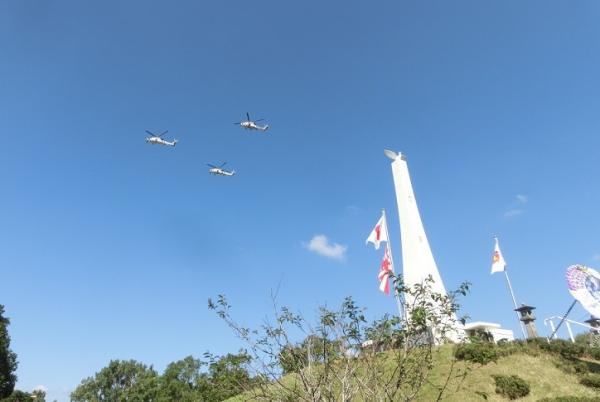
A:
(379, 233)
(498, 263)
(384, 272)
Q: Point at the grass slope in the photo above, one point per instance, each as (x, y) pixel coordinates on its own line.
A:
(541, 372)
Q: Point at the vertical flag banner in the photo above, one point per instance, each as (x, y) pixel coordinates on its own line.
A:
(498, 263)
(384, 272)
(379, 233)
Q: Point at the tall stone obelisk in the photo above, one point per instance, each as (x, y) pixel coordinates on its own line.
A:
(417, 259)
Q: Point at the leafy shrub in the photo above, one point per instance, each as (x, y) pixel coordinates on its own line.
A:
(591, 344)
(591, 380)
(479, 352)
(511, 387)
(566, 349)
(581, 368)
(18, 396)
(518, 346)
(594, 353)
(481, 335)
(571, 366)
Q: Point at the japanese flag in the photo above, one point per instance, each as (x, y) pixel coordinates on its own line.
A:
(379, 233)
(384, 272)
(498, 263)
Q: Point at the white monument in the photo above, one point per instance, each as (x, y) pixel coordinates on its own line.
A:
(417, 260)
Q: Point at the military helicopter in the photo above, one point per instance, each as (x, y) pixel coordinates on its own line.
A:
(251, 124)
(219, 170)
(157, 139)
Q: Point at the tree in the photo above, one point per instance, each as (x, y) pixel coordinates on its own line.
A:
(182, 381)
(20, 396)
(8, 359)
(227, 376)
(343, 358)
(187, 380)
(120, 381)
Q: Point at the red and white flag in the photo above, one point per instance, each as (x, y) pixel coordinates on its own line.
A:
(498, 263)
(379, 233)
(384, 272)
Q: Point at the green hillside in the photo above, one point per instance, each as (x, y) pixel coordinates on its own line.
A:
(548, 373)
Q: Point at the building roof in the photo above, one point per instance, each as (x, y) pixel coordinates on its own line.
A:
(481, 325)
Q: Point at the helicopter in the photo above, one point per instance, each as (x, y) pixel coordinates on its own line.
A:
(251, 124)
(219, 170)
(157, 139)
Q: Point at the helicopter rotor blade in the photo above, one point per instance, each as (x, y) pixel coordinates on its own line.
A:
(256, 121)
(239, 122)
(160, 135)
(151, 133)
(248, 116)
(223, 164)
(212, 166)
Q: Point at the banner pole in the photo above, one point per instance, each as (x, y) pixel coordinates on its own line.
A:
(562, 320)
(389, 248)
(512, 294)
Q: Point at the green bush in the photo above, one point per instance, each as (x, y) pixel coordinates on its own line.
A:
(566, 349)
(481, 335)
(478, 352)
(581, 368)
(518, 346)
(511, 387)
(594, 353)
(591, 380)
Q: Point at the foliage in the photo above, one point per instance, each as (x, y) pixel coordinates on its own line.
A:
(8, 359)
(38, 395)
(186, 380)
(511, 387)
(564, 348)
(227, 376)
(591, 380)
(477, 352)
(591, 343)
(120, 381)
(180, 381)
(20, 396)
(341, 356)
(482, 335)
(294, 357)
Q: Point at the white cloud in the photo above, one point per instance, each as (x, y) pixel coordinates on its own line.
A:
(517, 207)
(511, 213)
(321, 245)
(522, 199)
(41, 388)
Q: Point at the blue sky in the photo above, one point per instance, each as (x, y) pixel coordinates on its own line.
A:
(109, 247)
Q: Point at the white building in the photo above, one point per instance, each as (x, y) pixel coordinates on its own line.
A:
(497, 333)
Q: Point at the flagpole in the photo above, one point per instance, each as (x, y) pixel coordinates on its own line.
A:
(389, 248)
(512, 294)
